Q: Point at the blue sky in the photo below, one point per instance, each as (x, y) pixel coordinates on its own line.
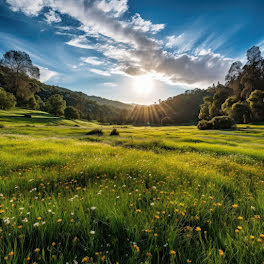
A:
(132, 50)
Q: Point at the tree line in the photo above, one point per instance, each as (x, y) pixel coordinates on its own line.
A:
(241, 99)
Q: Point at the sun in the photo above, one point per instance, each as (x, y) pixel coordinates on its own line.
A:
(143, 85)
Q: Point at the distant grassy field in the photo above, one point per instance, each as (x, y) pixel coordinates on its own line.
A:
(150, 195)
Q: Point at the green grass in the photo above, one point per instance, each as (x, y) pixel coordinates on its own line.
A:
(135, 198)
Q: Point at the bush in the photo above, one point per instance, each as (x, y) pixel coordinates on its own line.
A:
(218, 122)
(96, 131)
(204, 124)
(114, 132)
(71, 112)
(7, 100)
(222, 122)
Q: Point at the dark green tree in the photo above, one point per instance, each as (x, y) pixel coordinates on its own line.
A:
(227, 105)
(256, 103)
(32, 103)
(71, 112)
(56, 105)
(7, 100)
(240, 112)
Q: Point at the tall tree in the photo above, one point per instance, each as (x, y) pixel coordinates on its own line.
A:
(56, 105)
(21, 68)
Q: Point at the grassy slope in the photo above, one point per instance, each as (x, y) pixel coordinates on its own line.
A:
(152, 187)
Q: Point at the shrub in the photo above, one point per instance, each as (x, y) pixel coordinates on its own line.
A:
(71, 112)
(204, 124)
(7, 100)
(114, 132)
(222, 122)
(96, 131)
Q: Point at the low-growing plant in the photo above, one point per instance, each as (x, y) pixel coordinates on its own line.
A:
(96, 131)
(114, 132)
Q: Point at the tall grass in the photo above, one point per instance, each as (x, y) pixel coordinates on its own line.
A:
(151, 195)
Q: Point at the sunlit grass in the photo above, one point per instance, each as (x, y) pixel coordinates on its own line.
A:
(150, 195)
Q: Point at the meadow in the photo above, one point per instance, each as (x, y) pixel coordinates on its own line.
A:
(150, 195)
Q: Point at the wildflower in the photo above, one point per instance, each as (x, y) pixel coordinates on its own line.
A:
(257, 216)
(252, 237)
(37, 250)
(5, 258)
(92, 232)
(53, 244)
(261, 235)
(11, 253)
(36, 224)
(240, 218)
(39, 218)
(149, 254)
(138, 211)
(189, 261)
(239, 227)
(85, 259)
(237, 231)
(221, 252)
(155, 234)
(198, 229)
(235, 205)
(93, 208)
(59, 220)
(259, 240)
(172, 252)
(156, 216)
(20, 226)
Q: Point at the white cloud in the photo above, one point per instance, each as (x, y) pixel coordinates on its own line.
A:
(117, 7)
(52, 17)
(145, 25)
(100, 72)
(29, 7)
(46, 74)
(80, 42)
(92, 60)
(129, 43)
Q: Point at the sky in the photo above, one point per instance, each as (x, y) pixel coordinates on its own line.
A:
(135, 51)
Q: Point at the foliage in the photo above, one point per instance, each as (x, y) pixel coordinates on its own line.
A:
(114, 132)
(7, 100)
(71, 112)
(242, 97)
(20, 68)
(256, 102)
(204, 125)
(56, 105)
(222, 122)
